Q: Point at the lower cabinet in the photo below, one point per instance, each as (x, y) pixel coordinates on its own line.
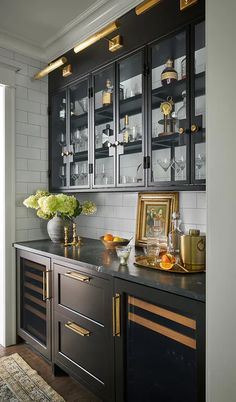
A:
(34, 301)
(159, 346)
(124, 341)
(83, 342)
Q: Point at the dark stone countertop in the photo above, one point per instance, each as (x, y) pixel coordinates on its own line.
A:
(92, 254)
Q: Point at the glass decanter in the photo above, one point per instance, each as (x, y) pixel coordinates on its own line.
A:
(175, 234)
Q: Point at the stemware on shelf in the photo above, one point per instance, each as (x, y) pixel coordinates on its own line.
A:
(199, 163)
(62, 174)
(165, 164)
(180, 166)
(62, 139)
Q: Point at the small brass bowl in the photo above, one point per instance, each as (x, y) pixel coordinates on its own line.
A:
(111, 245)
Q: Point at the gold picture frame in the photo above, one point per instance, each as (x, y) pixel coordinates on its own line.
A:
(154, 210)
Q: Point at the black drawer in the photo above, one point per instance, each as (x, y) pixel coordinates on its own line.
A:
(84, 349)
(83, 293)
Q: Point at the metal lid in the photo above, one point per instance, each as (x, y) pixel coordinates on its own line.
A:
(194, 232)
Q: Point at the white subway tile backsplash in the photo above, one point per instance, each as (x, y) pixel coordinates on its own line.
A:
(39, 166)
(37, 119)
(21, 164)
(37, 96)
(28, 129)
(27, 223)
(37, 142)
(21, 140)
(21, 93)
(27, 153)
(27, 60)
(21, 116)
(27, 106)
(24, 176)
(188, 199)
(201, 200)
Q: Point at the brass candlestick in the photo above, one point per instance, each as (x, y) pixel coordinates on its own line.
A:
(66, 230)
(76, 240)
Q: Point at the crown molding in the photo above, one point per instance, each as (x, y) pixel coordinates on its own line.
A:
(86, 24)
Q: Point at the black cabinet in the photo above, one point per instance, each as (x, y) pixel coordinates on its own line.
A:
(112, 129)
(159, 345)
(82, 336)
(34, 301)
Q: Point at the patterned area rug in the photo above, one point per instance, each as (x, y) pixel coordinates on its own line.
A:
(20, 383)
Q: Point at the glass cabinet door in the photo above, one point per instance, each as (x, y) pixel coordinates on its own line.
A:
(103, 126)
(198, 126)
(169, 113)
(79, 138)
(59, 143)
(130, 121)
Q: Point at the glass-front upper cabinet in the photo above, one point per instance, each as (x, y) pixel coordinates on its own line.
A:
(79, 138)
(130, 128)
(104, 128)
(198, 126)
(58, 146)
(169, 112)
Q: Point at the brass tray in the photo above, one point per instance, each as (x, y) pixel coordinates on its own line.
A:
(141, 261)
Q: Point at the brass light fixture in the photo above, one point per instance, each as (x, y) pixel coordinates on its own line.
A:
(187, 3)
(52, 66)
(145, 6)
(97, 36)
(115, 43)
(67, 70)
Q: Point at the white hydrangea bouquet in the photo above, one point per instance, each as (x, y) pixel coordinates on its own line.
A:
(58, 209)
(66, 206)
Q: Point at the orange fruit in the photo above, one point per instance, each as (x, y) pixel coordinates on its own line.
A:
(168, 259)
(108, 237)
(166, 265)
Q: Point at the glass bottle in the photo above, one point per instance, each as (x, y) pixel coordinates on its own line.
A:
(169, 74)
(106, 133)
(181, 112)
(175, 234)
(126, 130)
(62, 111)
(107, 93)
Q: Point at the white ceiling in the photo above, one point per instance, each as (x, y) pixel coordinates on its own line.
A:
(37, 22)
(46, 29)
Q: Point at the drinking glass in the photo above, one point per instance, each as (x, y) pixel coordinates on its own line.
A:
(165, 164)
(75, 171)
(199, 163)
(62, 139)
(123, 253)
(152, 250)
(62, 174)
(181, 164)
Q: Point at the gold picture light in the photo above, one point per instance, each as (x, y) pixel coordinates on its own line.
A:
(97, 36)
(52, 66)
(145, 6)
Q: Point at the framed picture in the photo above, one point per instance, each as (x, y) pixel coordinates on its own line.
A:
(154, 215)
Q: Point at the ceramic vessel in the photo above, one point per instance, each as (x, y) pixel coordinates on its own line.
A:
(55, 228)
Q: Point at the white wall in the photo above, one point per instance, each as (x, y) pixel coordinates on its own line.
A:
(221, 194)
(31, 141)
(117, 213)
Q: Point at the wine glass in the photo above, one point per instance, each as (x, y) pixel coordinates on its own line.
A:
(181, 164)
(165, 164)
(62, 174)
(62, 139)
(199, 163)
(75, 172)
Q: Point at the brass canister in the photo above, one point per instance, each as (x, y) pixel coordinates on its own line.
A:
(193, 250)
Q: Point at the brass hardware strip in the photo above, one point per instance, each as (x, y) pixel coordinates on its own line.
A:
(77, 276)
(186, 3)
(145, 6)
(169, 333)
(170, 315)
(48, 285)
(44, 285)
(33, 287)
(116, 315)
(77, 329)
(35, 312)
(34, 299)
(33, 276)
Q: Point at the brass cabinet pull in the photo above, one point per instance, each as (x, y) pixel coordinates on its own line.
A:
(181, 130)
(46, 285)
(116, 315)
(77, 276)
(194, 128)
(77, 329)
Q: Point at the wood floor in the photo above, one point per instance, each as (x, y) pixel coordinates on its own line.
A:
(70, 389)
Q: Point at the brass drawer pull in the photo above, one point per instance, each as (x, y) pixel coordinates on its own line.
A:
(77, 329)
(116, 315)
(77, 276)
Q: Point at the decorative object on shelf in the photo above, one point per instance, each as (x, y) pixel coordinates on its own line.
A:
(154, 215)
(51, 67)
(107, 94)
(123, 253)
(145, 6)
(62, 111)
(115, 43)
(61, 139)
(126, 131)
(200, 161)
(67, 70)
(186, 3)
(59, 210)
(193, 250)
(169, 74)
(76, 240)
(183, 69)
(106, 133)
(168, 121)
(175, 234)
(84, 104)
(113, 26)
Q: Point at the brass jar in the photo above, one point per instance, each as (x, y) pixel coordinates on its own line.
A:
(193, 250)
